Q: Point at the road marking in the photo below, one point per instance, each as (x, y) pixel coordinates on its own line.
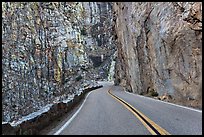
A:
(164, 102)
(152, 127)
(70, 120)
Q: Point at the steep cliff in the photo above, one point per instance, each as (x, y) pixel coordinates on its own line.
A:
(99, 40)
(160, 48)
(51, 50)
(48, 52)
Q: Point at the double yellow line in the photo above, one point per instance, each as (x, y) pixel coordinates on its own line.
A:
(153, 128)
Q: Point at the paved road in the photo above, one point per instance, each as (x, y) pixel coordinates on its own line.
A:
(101, 114)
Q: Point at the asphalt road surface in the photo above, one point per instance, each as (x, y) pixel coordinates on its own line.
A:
(111, 111)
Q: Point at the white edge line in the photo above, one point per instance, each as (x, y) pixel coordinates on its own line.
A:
(165, 102)
(70, 120)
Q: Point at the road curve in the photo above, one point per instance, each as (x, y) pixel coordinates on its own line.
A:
(176, 120)
(101, 114)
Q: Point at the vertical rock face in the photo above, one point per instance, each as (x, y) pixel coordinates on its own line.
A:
(47, 49)
(160, 47)
(99, 38)
(50, 50)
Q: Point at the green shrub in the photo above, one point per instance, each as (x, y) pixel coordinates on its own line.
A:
(83, 32)
(152, 93)
(141, 93)
(78, 78)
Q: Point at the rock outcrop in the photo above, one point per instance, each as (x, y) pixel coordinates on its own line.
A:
(52, 50)
(160, 47)
(35, 122)
(47, 50)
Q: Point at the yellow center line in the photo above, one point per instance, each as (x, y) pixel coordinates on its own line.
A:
(152, 127)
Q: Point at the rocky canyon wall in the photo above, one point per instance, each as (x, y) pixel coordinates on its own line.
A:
(51, 50)
(48, 52)
(160, 48)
